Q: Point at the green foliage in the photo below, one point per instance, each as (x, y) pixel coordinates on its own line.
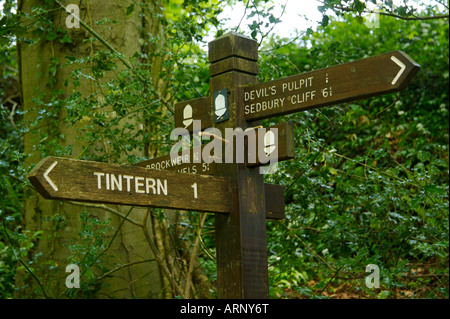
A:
(360, 7)
(13, 242)
(87, 252)
(370, 181)
(15, 249)
(102, 118)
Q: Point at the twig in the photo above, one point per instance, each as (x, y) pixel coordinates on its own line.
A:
(123, 266)
(109, 209)
(205, 249)
(310, 249)
(242, 18)
(375, 169)
(158, 256)
(334, 275)
(273, 24)
(191, 261)
(115, 234)
(95, 34)
(13, 109)
(107, 248)
(301, 174)
(442, 16)
(11, 69)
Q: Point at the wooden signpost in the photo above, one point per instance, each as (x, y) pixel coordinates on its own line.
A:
(69, 179)
(197, 109)
(197, 161)
(189, 163)
(284, 145)
(235, 191)
(273, 194)
(381, 74)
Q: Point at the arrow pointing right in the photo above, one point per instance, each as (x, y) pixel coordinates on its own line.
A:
(402, 69)
(346, 82)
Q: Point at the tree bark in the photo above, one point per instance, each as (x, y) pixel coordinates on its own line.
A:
(61, 222)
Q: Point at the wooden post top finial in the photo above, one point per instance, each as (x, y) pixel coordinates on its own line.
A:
(233, 44)
(233, 52)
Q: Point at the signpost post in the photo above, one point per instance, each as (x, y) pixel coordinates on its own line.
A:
(235, 191)
(241, 244)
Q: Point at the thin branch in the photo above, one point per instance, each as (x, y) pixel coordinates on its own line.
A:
(119, 55)
(301, 174)
(273, 24)
(291, 41)
(193, 255)
(158, 256)
(109, 209)
(437, 17)
(242, 18)
(205, 249)
(107, 248)
(13, 109)
(345, 9)
(11, 69)
(376, 169)
(309, 248)
(334, 275)
(124, 266)
(115, 234)
(96, 35)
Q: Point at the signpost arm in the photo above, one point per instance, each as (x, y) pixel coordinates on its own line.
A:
(241, 242)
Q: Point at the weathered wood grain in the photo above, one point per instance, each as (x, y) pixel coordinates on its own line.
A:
(273, 194)
(283, 150)
(201, 110)
(192, 162)
(69, 179)
(241, 240)
(381, 74)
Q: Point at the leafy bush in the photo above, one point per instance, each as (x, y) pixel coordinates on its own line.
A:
(369, 184)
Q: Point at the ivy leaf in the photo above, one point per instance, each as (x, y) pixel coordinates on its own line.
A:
(130, 10)
(359, 6)
(325, 20)
(65, 39)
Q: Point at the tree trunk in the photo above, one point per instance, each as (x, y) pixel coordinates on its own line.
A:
(128, 269)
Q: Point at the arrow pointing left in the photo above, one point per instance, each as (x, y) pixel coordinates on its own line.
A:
(53, 185)
(69, 179)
